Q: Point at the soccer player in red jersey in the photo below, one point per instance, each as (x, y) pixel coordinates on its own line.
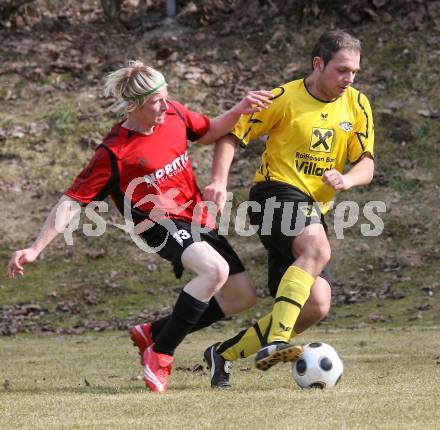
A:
(143, 165)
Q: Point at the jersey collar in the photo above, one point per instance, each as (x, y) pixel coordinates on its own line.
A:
(316, 98)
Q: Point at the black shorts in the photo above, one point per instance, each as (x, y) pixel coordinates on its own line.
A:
(278, 229)
(171, 244)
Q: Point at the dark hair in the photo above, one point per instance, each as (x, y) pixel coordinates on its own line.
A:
(333, 41)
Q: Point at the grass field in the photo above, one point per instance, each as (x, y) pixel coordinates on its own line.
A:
(52, 117)
(391, 381)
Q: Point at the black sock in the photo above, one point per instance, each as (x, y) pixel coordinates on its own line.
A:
(184, 317)
(212, 314)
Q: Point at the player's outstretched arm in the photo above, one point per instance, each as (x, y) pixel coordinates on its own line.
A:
(223, 156)
(360, 174)
(57, 220)
(254, 101)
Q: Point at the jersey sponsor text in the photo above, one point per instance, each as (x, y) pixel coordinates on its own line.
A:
(311, 168)
(170, 169)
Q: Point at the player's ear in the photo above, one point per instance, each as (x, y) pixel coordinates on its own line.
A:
(318, 64)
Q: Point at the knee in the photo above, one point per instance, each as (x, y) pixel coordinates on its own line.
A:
(322, 309)
(318, 251)
(313, 246)
(326, 254)
(319, 308)
(216, 274)
(321, 253)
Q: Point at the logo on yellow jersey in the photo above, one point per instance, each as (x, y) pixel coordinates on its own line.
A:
(321, 140)
(346, 126)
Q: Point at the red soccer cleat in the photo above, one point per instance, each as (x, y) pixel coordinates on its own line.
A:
(141, 336)
(157, 369)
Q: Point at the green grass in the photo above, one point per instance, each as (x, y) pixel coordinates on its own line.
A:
(389, 385)
(390, 382)
(64, 122)
(12, 84)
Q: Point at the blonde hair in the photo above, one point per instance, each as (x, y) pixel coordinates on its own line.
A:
(132, 85)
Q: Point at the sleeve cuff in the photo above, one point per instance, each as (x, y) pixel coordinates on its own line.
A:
(362, 156)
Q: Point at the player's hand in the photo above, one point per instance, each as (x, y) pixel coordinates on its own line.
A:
(336, 180)
(18, 260)
(254, 101)
(216, 192)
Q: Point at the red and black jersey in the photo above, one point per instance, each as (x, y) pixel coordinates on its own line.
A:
(153, 172)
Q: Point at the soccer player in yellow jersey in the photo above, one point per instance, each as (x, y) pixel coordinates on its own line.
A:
(314, 126)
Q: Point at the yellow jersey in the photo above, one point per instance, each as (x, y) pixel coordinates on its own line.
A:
(307, 137)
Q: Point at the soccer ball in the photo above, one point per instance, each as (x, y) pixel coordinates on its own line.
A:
(320, 366)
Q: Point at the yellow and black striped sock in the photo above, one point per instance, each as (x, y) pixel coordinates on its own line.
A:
(293, 292)
(247, 342)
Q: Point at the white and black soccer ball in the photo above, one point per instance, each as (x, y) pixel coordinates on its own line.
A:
(320, 366)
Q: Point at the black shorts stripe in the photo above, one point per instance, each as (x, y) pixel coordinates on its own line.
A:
(288, 300)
